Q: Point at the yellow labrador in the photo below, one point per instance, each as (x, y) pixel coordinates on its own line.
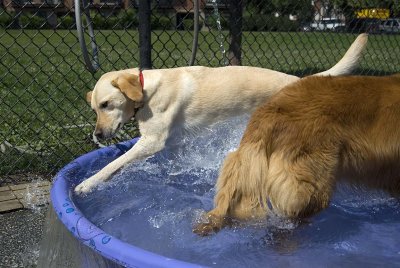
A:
(307, 137)
(166, 100)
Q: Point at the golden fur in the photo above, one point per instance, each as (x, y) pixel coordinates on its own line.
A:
(301, 142)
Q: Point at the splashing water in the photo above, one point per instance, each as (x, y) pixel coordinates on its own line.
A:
(221, 38)
(35, 199)
(36, 196)
(154, 204)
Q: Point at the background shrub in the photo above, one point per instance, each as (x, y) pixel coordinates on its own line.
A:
(159, 21)
(188, 24)
(129, 18)
(166, 23)
(6, 19)
(29, 21)
(211, 21)
(66, 22)
(268, 22)
(98, 21)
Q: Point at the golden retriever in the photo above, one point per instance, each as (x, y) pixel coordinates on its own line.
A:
(168, 100)
(310, 135)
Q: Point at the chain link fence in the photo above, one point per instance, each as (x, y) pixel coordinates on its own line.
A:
(44, 119)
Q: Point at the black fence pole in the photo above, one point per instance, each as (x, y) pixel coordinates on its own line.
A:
(145, 34)
(235, 32)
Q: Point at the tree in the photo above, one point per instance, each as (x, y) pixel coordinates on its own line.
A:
(302, 8)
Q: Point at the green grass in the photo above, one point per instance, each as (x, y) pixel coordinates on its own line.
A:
(43, 80)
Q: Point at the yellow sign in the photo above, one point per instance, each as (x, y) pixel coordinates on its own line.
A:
(373, 13)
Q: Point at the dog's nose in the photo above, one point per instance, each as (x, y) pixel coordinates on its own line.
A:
(99, 134)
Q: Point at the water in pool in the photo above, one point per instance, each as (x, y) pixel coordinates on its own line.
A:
(154, 204)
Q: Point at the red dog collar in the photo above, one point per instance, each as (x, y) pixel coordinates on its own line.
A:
(141, 78)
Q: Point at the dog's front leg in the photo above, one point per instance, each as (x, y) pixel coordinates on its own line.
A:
(145, 147)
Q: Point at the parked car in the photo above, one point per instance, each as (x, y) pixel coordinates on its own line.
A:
(390, 26)
(363, 25)
(326, 24)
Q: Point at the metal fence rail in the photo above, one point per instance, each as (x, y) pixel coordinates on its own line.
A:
(44, 120)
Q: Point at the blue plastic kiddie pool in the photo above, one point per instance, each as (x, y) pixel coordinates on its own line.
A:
(144, 216)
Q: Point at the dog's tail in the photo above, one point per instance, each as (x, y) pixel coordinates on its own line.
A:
(350, 60)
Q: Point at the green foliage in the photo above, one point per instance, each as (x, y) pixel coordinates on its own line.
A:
(283, 7)
(261, 6)
(268, 22)
(29, 21)
(211, 21)
(121, 20)
(98, 21)
(128, 19)
(252, 22)
(161, 21)
(188, 24)
(370, 3)
(66, 22)
(166, 23)
(6, 19)
(112, 22)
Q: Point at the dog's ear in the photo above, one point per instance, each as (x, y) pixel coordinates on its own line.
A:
(130, 86)
(89, 96)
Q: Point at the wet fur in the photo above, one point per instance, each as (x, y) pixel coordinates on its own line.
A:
(309, 136)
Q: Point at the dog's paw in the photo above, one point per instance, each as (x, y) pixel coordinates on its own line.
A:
(89, 184)
(84, 187)
(205, 229)
(213, 225)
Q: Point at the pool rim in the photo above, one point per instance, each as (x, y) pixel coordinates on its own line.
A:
(107, 245)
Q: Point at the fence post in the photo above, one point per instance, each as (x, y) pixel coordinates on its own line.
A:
(235, 32)
(145, 34)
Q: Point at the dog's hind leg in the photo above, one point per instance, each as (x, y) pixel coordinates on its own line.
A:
(217, 218)
(249, 200)
(301, 186)
(237, 191)
(248, 207)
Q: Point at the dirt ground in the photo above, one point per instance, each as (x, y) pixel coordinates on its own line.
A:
(20, 236)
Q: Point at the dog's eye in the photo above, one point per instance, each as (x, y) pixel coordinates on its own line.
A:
(104, 105)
